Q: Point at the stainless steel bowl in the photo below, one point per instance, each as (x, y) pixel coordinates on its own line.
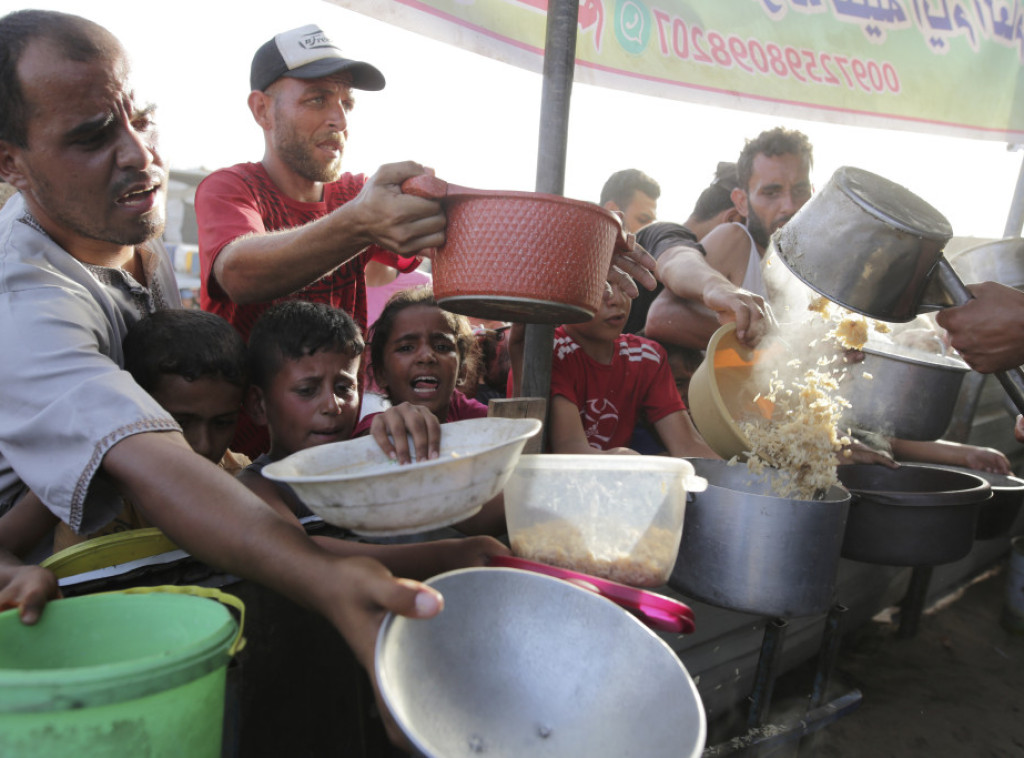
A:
(521, 664)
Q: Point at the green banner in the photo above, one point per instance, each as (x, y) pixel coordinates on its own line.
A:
(942, 66)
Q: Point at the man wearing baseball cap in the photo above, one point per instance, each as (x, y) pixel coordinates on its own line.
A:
(293, 225)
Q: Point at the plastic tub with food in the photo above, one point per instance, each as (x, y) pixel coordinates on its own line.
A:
(618, 517)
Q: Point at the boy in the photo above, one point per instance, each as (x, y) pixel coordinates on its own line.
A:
(194, 364)
(304, 363)
(603, 380)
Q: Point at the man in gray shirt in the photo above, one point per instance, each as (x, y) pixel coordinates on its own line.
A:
(77, 266)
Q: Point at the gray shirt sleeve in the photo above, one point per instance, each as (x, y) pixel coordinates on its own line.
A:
(65, 399)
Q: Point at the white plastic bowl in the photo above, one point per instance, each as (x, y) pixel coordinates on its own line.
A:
(618, 517)
(352, 484)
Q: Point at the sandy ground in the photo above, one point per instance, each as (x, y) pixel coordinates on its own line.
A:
(956, 688)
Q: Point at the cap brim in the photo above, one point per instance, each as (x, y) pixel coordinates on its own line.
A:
(364, 76)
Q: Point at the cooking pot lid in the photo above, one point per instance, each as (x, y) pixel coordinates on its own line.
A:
(656, 611)
(892, 203)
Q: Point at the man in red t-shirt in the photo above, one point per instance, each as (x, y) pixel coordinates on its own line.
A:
(293, 225)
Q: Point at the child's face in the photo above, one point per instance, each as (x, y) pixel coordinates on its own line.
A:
(207, 410)
(421, 360)
(682, 372)
(608, 322)
(310, 401)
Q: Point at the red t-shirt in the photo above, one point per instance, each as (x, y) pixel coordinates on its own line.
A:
(611, 397)
(460, 408)
(242, 200)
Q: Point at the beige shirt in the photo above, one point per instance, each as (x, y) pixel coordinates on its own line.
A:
(65, 399)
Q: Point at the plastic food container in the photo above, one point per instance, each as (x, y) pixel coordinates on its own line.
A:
(618, 517)
(724, 390)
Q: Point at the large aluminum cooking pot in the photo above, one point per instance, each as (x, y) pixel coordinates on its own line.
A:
(747, 549)
(902, 392)
(521, 664)
(915, 515)
(521, 256)
(999, 261)
(874, 247)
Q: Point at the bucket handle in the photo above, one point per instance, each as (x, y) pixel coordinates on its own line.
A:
(238, 644)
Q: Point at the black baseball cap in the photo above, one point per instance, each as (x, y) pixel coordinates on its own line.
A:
(307, 53)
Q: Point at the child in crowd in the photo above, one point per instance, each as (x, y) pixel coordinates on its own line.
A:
(603, 382)
(194, 364)
(421, 354)
(304, 362)
(682, 361)
(495, 361)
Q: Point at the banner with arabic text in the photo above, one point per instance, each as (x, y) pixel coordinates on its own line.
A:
(949, 67)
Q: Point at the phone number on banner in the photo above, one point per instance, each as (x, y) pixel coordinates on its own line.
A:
(691, 42)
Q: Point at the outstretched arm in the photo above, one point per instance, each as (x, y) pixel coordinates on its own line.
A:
(174, 488)
(261, 267)
(686, 274)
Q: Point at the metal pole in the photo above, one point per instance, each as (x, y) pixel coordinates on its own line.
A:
(559, 64)
(767, 672)
(1015, 219)
(912, 605)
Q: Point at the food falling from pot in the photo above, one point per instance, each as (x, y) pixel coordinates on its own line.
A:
(798, 428)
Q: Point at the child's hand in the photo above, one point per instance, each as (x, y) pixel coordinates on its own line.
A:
(465, 552)
(858, 452)
(987, 459)
(392, 428)
(27, 588)
(1018, 429)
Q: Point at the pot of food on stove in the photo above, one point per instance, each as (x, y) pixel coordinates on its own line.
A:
(914, 515)
(521, 256)
(750, 545)
(874, 247)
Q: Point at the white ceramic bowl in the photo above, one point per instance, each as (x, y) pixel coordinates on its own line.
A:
(352, 484)
(618, 517)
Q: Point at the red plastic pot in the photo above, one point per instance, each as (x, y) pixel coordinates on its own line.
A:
(521, 256)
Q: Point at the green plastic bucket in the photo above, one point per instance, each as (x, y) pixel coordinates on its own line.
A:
(138, 673)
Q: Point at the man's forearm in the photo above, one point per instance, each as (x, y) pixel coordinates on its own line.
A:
(212, 516)
(686, 274)
(262, 267)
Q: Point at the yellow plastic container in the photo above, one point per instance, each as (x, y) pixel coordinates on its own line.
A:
(725, 389)
(109, 550)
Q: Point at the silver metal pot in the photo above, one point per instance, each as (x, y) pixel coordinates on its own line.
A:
(521, 664)
(866, 243)
(874, 247)
(915, 515)
(1000, 261)
(909, 394)
(747, 549)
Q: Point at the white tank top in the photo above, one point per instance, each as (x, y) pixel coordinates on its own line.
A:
(752, 279)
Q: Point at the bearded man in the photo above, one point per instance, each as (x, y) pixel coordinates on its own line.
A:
(773, 171)
(294, 225)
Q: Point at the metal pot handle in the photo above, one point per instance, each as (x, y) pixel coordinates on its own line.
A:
(947, 280)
